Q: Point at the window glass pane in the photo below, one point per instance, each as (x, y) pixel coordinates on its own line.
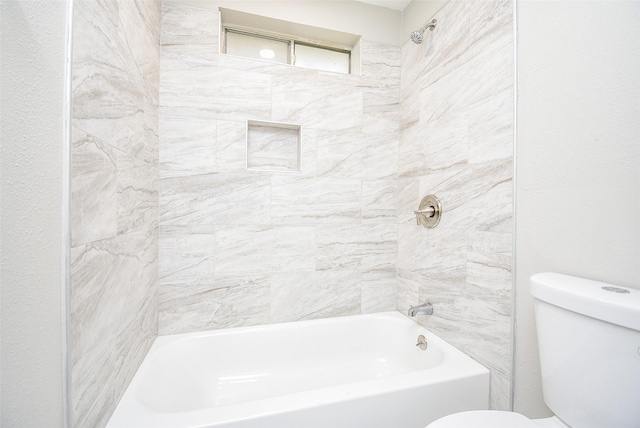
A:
(250, 46)
(322, 59)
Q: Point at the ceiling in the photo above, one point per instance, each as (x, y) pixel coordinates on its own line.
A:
(391, 4)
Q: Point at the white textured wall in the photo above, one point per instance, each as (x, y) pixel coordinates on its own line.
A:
(578, 156)
(32, 85)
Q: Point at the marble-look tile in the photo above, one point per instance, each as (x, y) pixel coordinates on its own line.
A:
(221, 198)
(113, 319)
(137, 197)
(108, 90)
(492, 23)
(381, 63)
(251, 249)
(187, 146)
(188, 26)
(308, 295)
(379, 292)
(318, 104)
(93, 189)
(409, 198)
(446, 142)
(380, 201)
(302, 200)
(211, 91)
(364, 247)
(489, 262)
(231, 146)
(474, 197)
(187, 255)
(142, 22)
(352, 154)
(408, 285)
(491, 128)
(273, 148)
(447, 46)
(381, 111)
(223, 303)
(411, 156)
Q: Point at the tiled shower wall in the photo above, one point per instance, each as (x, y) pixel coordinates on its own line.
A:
(114, 202)
(457, 142)
(242, 247)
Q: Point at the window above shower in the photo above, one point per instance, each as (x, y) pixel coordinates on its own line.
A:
(283, 42)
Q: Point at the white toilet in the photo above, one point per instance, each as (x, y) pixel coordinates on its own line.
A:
(589, 344)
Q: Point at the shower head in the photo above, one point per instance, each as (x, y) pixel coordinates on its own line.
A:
(418, 36)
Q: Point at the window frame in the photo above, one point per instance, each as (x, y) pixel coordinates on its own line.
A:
(291, 40)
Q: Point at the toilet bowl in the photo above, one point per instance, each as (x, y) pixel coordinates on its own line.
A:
(589, 344)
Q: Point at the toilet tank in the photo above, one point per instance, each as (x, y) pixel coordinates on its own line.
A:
(589, 344)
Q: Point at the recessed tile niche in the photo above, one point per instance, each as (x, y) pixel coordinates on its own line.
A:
(273, 146)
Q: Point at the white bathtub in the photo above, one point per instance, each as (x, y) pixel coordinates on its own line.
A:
(357, 371)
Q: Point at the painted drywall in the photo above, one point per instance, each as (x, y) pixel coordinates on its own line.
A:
(578, 157)
(375, 23)
(32, 86)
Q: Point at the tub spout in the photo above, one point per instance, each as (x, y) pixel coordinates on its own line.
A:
(423, 309)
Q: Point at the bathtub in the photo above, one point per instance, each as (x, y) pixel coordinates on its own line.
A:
(355, 371)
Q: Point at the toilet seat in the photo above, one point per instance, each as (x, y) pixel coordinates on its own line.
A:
(484, 419)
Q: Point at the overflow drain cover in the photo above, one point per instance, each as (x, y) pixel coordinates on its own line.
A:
(616, 290)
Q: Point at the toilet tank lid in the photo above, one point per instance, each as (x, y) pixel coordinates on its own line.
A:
(612, 303)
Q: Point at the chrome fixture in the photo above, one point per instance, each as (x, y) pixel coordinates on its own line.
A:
(418, 36)
(423, 309)
(429, 212)
(422, 342)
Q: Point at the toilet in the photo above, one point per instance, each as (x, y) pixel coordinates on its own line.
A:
(589, 345)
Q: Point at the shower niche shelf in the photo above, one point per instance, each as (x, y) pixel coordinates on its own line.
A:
(273, 146)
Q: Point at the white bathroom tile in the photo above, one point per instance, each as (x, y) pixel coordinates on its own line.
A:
(187, 255)
(113, 319)
(381, 111)
(298, 296)
(352, 154)
(409, 198)
(411, 156)
(210, 91)
(379, 291)
(187, 26)
(380, 201)
(491, 128)
(364, 247)
(320, 103)
(137, 194)
(446, 142)
(231, 146)
(223, 303)
(94, 213)
(489, 262)
(408, 284)
(187, 146)
(302, 200)
(474, 197)
(252, 249)
(221, 198)
(381, 62)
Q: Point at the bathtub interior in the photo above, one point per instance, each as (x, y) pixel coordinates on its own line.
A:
(238, 365)
(366, 367)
